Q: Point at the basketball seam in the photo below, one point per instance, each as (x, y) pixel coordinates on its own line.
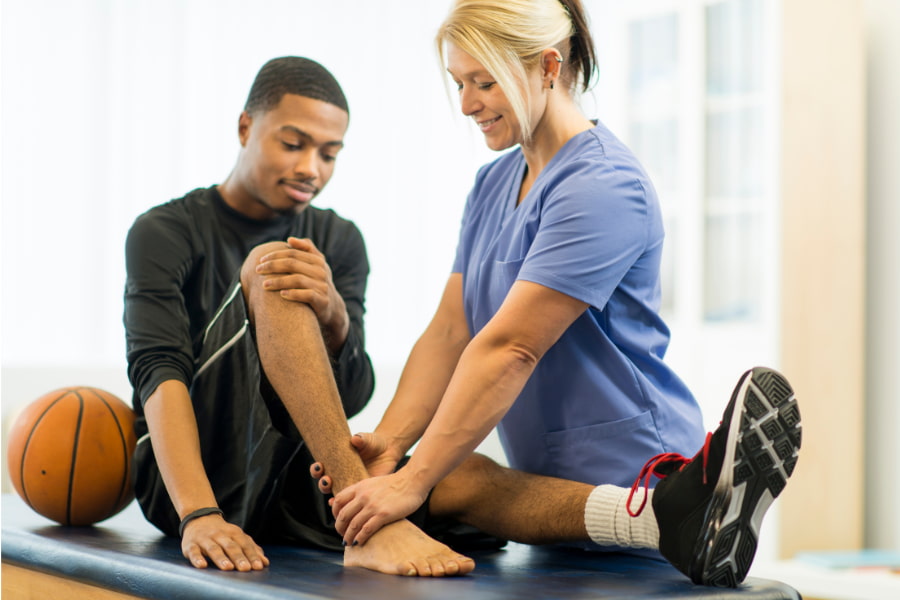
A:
(123, 486)
(37, 421)
(77, 393)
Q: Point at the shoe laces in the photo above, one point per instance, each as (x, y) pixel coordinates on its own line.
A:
(662, 465)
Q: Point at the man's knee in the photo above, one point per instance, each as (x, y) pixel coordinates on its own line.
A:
(260, 300)
(477, 466)
(465, 486)
(249, 276)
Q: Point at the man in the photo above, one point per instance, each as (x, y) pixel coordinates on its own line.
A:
(244, 325)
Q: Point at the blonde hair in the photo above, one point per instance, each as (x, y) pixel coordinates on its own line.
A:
(508, 36)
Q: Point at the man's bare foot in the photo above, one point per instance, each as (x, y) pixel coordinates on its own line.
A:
(401, 548)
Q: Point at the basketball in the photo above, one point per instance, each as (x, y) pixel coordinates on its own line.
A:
(69, 455)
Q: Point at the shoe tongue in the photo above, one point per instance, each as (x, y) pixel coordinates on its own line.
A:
(666, 468)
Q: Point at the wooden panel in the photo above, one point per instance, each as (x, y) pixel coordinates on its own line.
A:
(24, 584)
(823, 268)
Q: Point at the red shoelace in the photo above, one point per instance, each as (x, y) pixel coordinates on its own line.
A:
(674, 461)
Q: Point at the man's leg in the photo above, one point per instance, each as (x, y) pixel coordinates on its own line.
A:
(704, 515)
(534, 509)
(296, 363)
(513, 505)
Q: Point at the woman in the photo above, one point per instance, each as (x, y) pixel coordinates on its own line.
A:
(548, 327)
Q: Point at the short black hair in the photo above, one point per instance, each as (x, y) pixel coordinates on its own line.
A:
(293, 75)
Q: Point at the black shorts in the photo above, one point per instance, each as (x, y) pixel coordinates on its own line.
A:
(255, 459)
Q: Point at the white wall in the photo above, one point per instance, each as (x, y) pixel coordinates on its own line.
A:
(883, 287)
(110, 107)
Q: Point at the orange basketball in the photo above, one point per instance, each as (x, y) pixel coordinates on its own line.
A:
(69, 455)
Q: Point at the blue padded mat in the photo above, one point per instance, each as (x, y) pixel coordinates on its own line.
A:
(127, 554)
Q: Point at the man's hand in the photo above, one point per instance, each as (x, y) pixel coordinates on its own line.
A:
(301, 274)
(226, 545)
(373, 449)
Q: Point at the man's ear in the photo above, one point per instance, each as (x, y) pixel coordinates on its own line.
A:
(244, 123)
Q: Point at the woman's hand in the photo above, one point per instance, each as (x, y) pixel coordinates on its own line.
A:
(378, 457)
(365, 507)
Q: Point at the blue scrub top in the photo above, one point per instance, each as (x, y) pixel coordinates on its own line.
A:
(601, 401)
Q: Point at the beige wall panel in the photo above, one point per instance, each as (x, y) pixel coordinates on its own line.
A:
(823, 268)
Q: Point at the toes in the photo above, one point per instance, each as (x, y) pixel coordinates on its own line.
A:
(451, 568)
(436, 565)
(466, 565)
(422, 567)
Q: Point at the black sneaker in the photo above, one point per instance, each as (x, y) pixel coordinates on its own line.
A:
(709, 509)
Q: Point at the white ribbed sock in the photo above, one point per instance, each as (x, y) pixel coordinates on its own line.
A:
(609, 524)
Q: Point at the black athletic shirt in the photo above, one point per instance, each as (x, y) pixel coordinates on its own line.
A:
(182, 256)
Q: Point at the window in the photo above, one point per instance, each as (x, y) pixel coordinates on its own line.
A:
(689, 85)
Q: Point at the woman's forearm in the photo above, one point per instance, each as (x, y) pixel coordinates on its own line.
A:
(490, 375)
(488, 379)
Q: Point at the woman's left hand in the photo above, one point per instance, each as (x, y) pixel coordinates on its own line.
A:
(365, 507)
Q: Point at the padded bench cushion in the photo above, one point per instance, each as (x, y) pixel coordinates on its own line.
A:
(128, 555)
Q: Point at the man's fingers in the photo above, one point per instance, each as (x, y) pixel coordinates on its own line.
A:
(246, 554)
(234, 554)
(195, 556)
(304, 244)
(218, 557)
(258, 560)
(287, 261)
(226, 546)
(293, 281)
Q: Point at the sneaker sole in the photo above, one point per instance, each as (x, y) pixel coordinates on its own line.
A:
(763, 443)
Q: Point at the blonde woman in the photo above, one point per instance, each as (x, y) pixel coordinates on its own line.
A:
(549, 330)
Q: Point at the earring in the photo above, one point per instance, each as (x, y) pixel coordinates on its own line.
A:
(551, 84)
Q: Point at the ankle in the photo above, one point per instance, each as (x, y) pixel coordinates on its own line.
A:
(608, 523)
